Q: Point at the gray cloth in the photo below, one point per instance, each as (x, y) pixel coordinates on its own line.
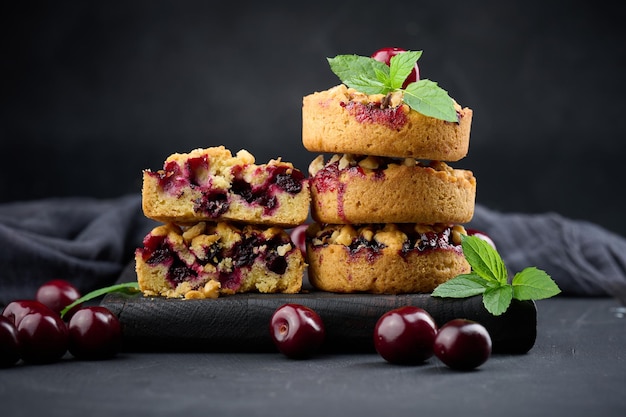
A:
(583, 258)
(90, 241)
(85, 241)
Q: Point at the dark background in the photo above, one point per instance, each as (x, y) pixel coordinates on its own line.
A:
(94, 92)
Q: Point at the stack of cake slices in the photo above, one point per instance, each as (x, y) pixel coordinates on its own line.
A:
(223, 226)
(388, 210)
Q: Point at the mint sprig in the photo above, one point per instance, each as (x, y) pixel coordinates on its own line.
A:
(370, 76)
(489, 277)
(127, 287)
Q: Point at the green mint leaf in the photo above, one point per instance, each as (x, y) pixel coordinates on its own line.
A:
(497, 299)
(484, 259)
(461, 286)
(125, 287)
(533, 284)
(426, 97)
(400, 66)
(367, 86)
(361, 73)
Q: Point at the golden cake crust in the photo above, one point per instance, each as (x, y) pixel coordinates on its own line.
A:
(342, 120)
(341, 261)
(213, 185)
(207, 260)
(356, 189)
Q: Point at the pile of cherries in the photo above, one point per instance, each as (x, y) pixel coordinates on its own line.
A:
(404, 336)
(33, 331)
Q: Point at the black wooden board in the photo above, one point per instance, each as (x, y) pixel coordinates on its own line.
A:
(240, 322)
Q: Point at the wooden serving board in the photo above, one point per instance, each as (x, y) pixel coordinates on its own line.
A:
(241, 322)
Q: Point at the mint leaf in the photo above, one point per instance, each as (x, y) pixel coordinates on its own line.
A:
(465, 285)
(125, 287)
(489, 277)
(484, 259)
(497, 299)
(426, 97)
(370, 76)
(361, 73)
(367, 86)
(533, 284)
(400, 66)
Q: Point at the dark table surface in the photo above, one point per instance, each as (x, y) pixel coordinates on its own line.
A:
(577, 367)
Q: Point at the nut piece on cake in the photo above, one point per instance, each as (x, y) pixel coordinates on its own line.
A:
(213, 185)
(210, 259)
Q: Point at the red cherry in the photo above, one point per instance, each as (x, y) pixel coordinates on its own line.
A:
(58, 294)
(43, 336)
(94, 333)
(298, 237)
(482, 235)
(297, 330)
(463, 344)
(405, 335)
(16, 310)
(9, 343)
(385, 54)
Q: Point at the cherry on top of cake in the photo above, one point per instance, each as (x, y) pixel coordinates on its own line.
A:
(393, 70)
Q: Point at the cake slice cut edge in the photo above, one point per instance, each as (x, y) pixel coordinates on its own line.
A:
(212, 259)
(212, 184)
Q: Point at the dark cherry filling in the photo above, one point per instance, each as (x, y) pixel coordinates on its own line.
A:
(392, 117)
(157, 250)
(258, 196)
(423, 242)
(170, 178)
(416, 243)
(244, 255)
(179, 272)
(263, 194)
(370, 248)
(290, 182)
(213, 203)
(196, 166)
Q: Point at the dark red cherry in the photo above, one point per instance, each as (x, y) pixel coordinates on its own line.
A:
(297, 331)
(43, 336)
(9, 343)
(58, 294)
(482, 235)
(405, 335)
(94, 333)
(298, 236)
(463, 344)
(16, 310)
(385, 54)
